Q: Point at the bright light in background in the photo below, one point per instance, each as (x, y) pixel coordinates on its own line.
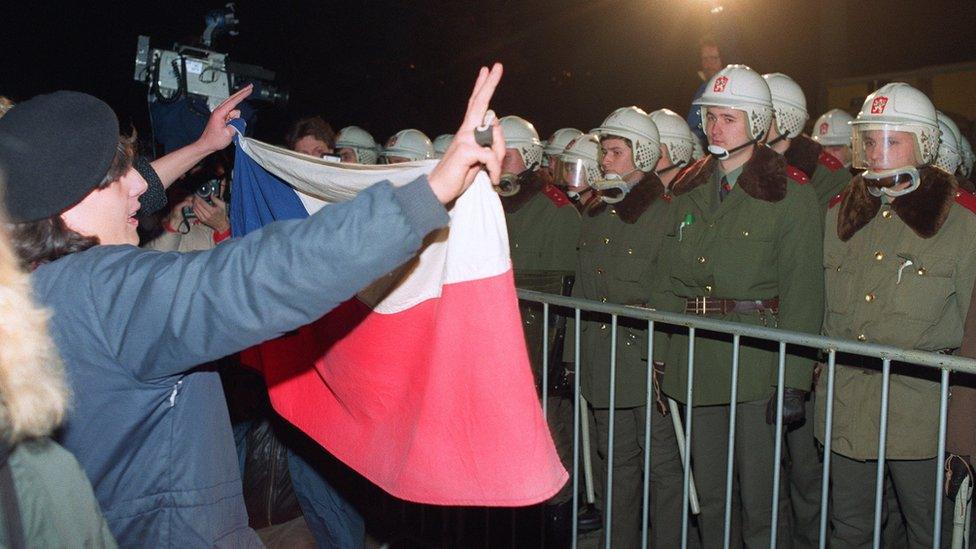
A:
(716, 9)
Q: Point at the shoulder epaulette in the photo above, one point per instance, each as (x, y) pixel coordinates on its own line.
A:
(966, 199)
(555, 195)
(836, 200)
(830, 162)
(796, 175)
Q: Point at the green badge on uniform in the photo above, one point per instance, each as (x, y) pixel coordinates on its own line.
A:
(689, 220)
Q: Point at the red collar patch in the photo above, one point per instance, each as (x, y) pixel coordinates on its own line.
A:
(828, 161)
(796, 175)
(557, 196)
(966, 199)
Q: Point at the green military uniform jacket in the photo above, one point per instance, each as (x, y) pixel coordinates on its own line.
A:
(543, 226)
(827, 175)
(902, 275)
(618, 252)
(763, 241)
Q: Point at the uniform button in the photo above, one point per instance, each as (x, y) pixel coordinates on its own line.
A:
(603, 299)
(708, 289)
(599, 270)
(606, 240)
(838, 268)
(921, 271)
(886, 214)
(613, 211)
(869, 298)
(603, 326)
(879, 255)
(862, 337)
(702, 259)
(745, 233)
(630, 251)
(711, 224)
(516, 244)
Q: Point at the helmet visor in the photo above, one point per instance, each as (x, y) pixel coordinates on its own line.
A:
(880, 147)
(574, 175)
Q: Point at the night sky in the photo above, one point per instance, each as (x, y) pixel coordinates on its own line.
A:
(392, 65)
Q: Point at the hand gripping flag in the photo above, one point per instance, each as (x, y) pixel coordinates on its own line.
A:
(421, 383)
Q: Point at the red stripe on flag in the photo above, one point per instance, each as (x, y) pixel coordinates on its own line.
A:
(435, 404)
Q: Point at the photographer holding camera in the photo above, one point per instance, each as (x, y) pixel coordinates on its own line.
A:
(150, 429)
(199, 221)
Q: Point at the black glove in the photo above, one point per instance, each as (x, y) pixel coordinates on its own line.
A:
(956, 470)
(794, 408)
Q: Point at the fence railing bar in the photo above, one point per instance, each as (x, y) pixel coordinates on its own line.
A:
(923, 358)
(545, 361)
(778, 449)
(940, 460)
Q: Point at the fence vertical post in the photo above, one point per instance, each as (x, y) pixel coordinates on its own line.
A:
(577, 413)
(882, 446)
(648, 407)
(688, 419)
(730, 457)
(545, 361)
(828, 432)
(778, 451)
(610, 434)
(943, 413)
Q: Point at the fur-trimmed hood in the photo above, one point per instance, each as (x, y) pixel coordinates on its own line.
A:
(33, 390)
(531, 186)
(763, 176)
(637, 201)
(804, 154)
(924, 210)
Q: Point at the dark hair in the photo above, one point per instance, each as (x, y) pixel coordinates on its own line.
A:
(46, 240)
(314, 126)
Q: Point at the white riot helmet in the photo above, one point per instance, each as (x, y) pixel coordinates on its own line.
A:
(441, 143)
(675, 133)
(410, 144)
(554, 146)
(741, 88)
(520, 135)
(966, 168)
(580, 163)
(949, 156)
(833, 128)
(893, 113)
(636, 126)
(789, 104)
(360, 141)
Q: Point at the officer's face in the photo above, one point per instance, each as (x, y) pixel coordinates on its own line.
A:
(347, 155)
(726, 127)
(513, 163)
(711, 61)
(311, 146)
(886, 150)
(616, 156)
(840, 152)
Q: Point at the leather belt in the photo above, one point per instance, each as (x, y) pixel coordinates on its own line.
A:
(714, 306)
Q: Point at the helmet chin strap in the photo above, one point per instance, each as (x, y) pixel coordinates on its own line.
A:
(779, 138)
(723, 154)
(896, 177)
(674, 166)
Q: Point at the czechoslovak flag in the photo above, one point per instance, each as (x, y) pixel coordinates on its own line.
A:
(422, 382)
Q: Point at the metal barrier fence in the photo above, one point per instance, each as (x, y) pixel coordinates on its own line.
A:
(830, 346)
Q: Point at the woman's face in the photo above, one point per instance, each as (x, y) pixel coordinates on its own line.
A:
(887, 150)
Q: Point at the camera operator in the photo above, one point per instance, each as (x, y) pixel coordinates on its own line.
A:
(149, 429)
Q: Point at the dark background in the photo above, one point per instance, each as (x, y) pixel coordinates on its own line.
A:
(391, 65)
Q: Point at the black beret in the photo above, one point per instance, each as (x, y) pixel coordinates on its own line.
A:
(54, 149)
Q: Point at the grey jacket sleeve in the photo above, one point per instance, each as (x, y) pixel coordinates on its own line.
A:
(163, 313)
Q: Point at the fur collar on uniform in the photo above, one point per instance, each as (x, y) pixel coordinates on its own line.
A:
(924, 210)
(644, 193)
(803, 154)
(763, 176)
(531, 186)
